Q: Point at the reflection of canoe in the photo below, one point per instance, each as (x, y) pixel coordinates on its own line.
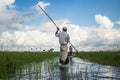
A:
(59, 64)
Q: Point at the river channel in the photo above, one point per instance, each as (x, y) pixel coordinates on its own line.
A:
(77, 69)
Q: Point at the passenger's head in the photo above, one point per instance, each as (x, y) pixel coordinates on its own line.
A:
(65, 29)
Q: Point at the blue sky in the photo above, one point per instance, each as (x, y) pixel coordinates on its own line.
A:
(79, 12)
(92, 24)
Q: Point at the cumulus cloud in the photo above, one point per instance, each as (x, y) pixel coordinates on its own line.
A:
(32, 38)
(9, 16)
(104, 21)
(43, 4)
(5, 38)
(4, 3)
(35, 36)
(117, 22)
(83, 38)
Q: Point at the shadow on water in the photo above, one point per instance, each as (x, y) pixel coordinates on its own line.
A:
(77, 69)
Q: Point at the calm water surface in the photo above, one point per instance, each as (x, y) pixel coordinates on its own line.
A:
(77, 69)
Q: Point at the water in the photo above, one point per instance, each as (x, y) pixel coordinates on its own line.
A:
(77, 69)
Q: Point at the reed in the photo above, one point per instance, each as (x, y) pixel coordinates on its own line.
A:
(11, 61)
(111, 58)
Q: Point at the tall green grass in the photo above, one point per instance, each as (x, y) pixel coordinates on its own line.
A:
(11, 61)
(111, 58)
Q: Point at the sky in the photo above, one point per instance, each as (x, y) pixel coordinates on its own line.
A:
(93, 25)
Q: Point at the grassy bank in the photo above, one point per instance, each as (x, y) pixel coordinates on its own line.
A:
(11, 61)
(111, 58)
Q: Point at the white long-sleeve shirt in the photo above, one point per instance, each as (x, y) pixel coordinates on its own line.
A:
(63, 37)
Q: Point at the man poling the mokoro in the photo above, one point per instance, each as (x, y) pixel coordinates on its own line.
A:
(63, 50)
(64, 39)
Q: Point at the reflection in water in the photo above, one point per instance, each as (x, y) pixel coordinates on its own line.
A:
(77, 69)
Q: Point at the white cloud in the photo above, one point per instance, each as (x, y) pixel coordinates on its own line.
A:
(10, 17)
(104, 21)
(32, 38)
(117, 22)
(83, 38)
(38, 36)
(6, 2)
(5, 39)
(43, 4)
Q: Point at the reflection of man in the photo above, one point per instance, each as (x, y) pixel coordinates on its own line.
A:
(63, 40)
(70, 51)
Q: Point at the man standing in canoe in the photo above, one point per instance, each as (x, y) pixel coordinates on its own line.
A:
(63, 40)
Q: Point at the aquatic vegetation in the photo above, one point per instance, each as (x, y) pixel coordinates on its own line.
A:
(11, 61)
(111, 58)
(77, 69)
(42, 64)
